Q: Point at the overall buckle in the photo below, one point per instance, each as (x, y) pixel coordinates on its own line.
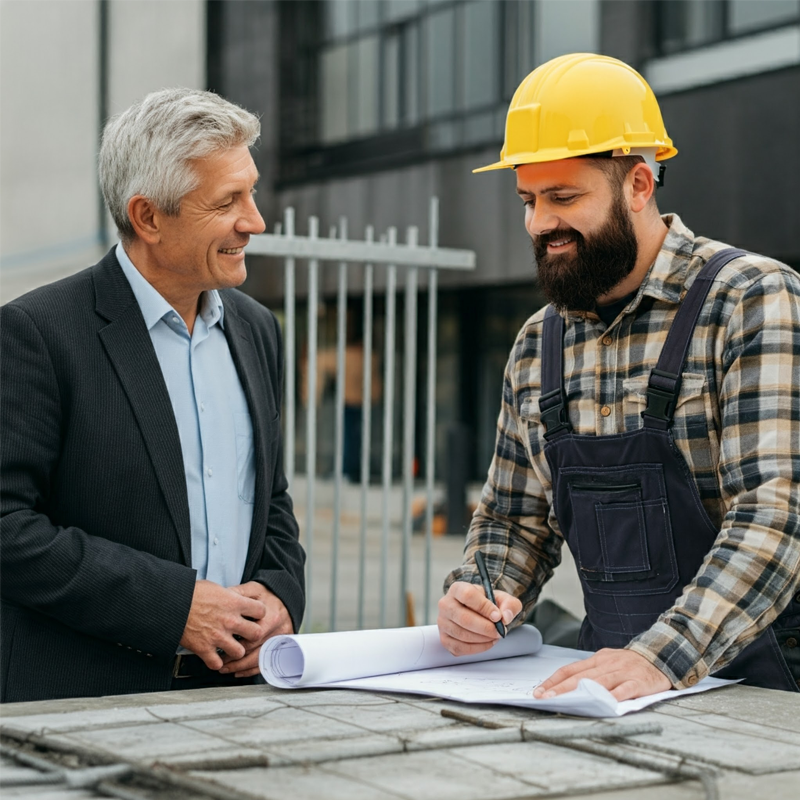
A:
(662, 400)
(553, 413)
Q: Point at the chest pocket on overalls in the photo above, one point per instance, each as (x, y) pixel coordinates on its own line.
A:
(620, 530)
(693, 430)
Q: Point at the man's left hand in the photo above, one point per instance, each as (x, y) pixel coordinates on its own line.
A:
(276, 621)
(625, 674)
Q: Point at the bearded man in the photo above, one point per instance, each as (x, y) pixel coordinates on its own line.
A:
(649, 414)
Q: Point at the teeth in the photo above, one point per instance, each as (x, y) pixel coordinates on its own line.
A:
(560, 242)
(232, 251)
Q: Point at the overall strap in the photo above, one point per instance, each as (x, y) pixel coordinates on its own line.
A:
(664, 385)
(553, 402)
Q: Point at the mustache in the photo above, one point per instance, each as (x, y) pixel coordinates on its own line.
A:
(543, 239)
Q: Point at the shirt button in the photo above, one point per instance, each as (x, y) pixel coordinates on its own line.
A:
(605, 411)
(791, 642)
(692, 680)
(210, 472)
(607, 340)
(174, 319)
(216, 541)
(202, 406)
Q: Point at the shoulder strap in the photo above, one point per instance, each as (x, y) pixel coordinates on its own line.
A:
(664, 385)
(553, 402)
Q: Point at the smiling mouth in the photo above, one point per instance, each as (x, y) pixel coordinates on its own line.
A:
(231, 251)
(560, 242)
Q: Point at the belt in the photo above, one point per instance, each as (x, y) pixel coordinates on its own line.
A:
(192, 666)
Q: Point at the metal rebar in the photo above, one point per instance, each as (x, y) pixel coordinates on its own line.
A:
(311, 418)
(430, 427)
(289, 338)
(366, 430)
(388, 422)
(409, 417)
(338, 447)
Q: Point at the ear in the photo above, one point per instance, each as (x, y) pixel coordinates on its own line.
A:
(641, 185)
(145, 218)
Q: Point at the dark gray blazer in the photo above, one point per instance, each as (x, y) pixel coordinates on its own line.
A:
(95, 561)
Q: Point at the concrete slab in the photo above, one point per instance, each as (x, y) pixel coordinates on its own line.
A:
(296, 783)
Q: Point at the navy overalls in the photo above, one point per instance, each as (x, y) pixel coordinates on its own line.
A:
(629, 509)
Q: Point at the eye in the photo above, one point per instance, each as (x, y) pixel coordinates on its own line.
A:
(566, 198)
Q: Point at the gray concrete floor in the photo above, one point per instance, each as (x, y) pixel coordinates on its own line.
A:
(446, 552)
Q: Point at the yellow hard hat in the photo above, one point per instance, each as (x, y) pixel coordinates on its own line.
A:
(580, 104)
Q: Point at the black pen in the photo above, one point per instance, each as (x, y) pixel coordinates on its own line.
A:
(487, 587)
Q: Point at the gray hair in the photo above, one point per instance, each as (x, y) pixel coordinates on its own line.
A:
(147, 149)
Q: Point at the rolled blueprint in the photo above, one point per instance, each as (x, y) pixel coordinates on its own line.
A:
(313, 659)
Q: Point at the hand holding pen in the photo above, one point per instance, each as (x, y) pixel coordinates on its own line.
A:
(487, 587)
(471, 616)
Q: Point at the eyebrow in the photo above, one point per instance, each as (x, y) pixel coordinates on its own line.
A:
(558, 188)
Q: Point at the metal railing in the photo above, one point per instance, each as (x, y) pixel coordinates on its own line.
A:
(387, 254)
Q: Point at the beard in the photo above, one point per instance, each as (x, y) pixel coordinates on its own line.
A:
(574, 281)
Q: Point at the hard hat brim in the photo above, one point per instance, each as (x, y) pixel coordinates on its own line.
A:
(666, 151)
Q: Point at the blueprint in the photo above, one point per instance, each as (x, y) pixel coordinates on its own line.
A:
(413, 661)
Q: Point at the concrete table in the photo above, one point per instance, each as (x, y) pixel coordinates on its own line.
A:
(735, 743)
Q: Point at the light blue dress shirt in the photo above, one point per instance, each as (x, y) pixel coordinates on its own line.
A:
(214, 425)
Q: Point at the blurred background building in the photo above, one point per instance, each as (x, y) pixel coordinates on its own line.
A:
(370, 107)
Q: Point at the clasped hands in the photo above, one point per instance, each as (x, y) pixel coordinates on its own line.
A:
(236, 621)
(466, 626)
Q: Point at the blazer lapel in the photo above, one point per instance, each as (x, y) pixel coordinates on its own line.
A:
(130, 350)
(252, 374)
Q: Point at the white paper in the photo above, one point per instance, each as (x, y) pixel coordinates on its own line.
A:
(315, 659)
(413, 661)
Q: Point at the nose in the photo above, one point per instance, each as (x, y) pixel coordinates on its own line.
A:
(539, 218)
(251, 221)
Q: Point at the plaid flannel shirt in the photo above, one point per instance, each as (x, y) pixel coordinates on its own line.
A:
(737, 425)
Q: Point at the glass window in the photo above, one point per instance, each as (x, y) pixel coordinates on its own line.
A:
(390, 93)
(340, 18)
(747, 15)
(690, 23)
(411, 77)
(481, 59)
(368, 14)
(334, 87)
(440, 60)
(394, 10)
(572, 27)
(365, 81)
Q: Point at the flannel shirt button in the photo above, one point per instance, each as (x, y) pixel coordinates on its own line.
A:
(791, 642)
(605, 411)
(607, 340)
(797, 598)
(692, 680)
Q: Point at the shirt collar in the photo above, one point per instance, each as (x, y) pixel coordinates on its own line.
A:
(155, 307)
(667, 276)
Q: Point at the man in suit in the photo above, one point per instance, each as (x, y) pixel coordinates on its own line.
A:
(148, 539)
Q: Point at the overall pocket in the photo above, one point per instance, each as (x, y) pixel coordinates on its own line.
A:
(620, 531)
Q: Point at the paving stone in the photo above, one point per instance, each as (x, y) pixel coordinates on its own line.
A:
(277, 727)
(782, 786)
(158, 742)
(723, 747)
(47, 793)
(88, 720)
(326, 697)
(551, 768)
(685, 790)
(433, 775)
(386, 716)
(458, 736)
(315, 751)
(297, 783)
(240, 707)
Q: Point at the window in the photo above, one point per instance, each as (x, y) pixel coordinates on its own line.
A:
(686, 24)
(383, 82)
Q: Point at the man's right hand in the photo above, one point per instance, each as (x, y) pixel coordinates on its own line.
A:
(216, 615)
(467, 617)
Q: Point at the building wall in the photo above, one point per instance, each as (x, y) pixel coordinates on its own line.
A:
(50, 116)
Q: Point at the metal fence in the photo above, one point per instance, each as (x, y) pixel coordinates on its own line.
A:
(385, 253)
